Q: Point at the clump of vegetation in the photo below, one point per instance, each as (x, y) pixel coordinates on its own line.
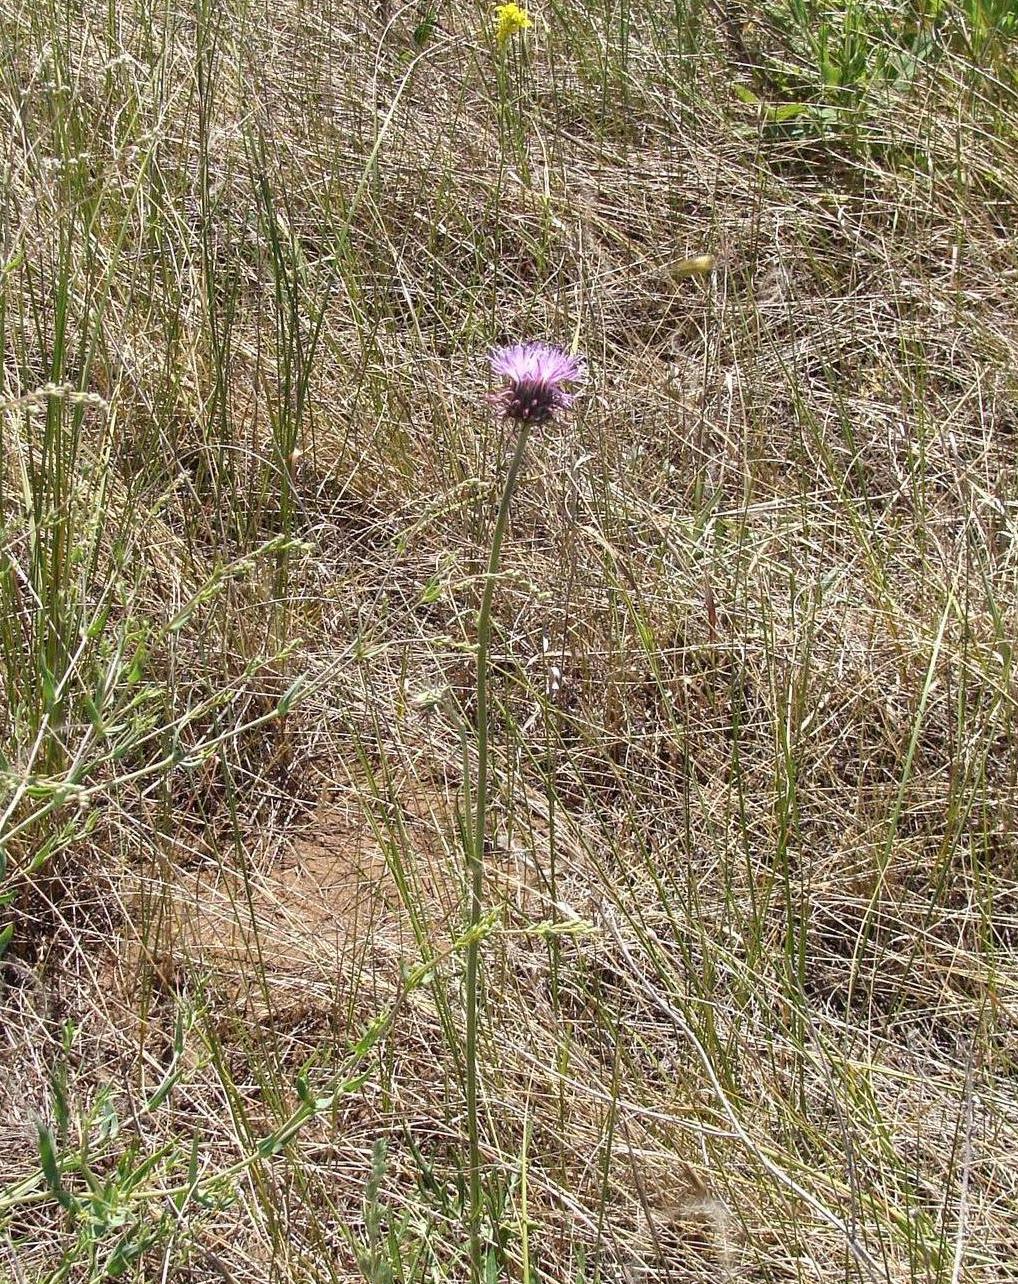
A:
(401, 884)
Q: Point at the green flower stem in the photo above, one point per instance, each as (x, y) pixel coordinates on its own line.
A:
(475, 849)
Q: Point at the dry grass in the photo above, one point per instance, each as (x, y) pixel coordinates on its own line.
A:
(750, 972)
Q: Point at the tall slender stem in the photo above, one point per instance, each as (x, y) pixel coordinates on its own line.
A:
(476, 850)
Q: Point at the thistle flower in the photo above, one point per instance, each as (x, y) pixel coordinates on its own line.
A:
(535, 375)
(510, 20)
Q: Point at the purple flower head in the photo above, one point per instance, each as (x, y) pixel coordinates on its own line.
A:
(535, 375)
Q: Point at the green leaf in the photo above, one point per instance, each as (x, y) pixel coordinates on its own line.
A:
(304, 1090)
(49, 687)
(137, 665)
(289, 696)
(425, 29)
(787, 111)
(51, 1169)
(98, 623)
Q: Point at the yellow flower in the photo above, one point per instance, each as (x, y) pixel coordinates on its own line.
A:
(510, 20)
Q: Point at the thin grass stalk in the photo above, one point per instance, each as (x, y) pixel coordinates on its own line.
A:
(476, 852)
